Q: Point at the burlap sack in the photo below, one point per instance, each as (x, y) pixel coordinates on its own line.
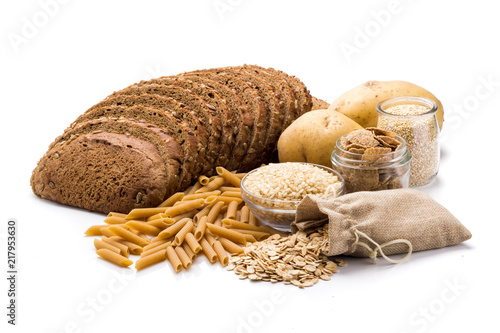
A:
(361, 224)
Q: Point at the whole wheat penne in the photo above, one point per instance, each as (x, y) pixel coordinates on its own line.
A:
(227, 200)
(172, 199)
(173, 258)
(228, 176)
(183, 256)
(212, 185)
(200, 228)
(179, 237)
(208, 250)
(160, 223)
(227, 233)
(203, 180)
(229, 189)
(210, 200)
(244, 214)
(114, 257)
(193, 243)
(250, 238)
(184, 207)
(230, 247)
(143, 227)
(173, 229)
(116, 214)
(258, 235)
(200, 195)
(201, 213)
(221, 253)
(188, 251)
(232, 208)
(99, 244)
(214, 211)
(115, 220)
(232, 194)
(156, 249)
(193, 189)
(105, 232)
(95, 230)
(240, 175)
(150, 260)
(128, 235)
(252, 220)
(210, 238)
(218, 220)
(235, 224)
(137, 213)
(179, 217)
(133, 248)
(152, 245)
(154, 217)
(124, 251)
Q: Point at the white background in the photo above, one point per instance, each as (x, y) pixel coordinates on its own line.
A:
(81, 51)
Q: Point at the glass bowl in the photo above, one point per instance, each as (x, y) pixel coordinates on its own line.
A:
(279, 214)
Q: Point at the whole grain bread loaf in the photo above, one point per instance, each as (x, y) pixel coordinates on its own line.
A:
(154, 138)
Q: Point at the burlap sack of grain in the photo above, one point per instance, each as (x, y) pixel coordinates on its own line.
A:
(362, 223)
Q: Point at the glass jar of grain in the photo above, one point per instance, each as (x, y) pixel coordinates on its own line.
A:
(414, 119)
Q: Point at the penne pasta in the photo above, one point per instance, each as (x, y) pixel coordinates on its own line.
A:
(156, 249)
(240, 175)
(232, 194)
(173, 229)
(210, 238)
(183, 256)
(105, 232)
(235, 224)
(174, 259)
(115, 220)
(226, 200)
(228, 176)
(154, 217)
(188, 251)
(208, 250)
(202, 213)
(214, 212)
(249, 238)
(258, 235)
(114, 257)
(95, 230)
(144, 212)
(184, 207)
(152, 259)
(117, 214)
(132, 248)
(193, 243)
(128, 235)
(232, 208)
(200, 228)
(218, 221)
(152, 245)
(229, 189)
(210, 200)
(227, 233)
(124, 251)
(200, 195)
(230, 247)
(99, 244)
(252, 220)
(193, 189)
(203, 180)
(172, 199)
(179, 237)
(212, 185)
(160, 223)
(221, 253)
(244, 214)
(143, 227)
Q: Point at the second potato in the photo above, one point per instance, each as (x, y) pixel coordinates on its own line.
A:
(312, 137)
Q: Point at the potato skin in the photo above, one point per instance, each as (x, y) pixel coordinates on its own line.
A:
(359, 103)
(312, 137)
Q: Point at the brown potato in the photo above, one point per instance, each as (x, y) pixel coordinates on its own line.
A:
(312, 137)
(359, 103)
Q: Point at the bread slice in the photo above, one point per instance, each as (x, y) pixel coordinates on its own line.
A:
(167, 147)
(208, 117)
(214, 101)
(177, 110)
(242, 120)
(255, 147)
(102, 172)
(182, 133)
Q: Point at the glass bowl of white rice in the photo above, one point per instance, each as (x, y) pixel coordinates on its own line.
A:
(273, 192)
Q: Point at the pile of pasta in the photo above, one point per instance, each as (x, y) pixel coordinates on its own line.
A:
(209, 218)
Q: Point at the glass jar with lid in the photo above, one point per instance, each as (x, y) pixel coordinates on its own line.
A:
(414, 119)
